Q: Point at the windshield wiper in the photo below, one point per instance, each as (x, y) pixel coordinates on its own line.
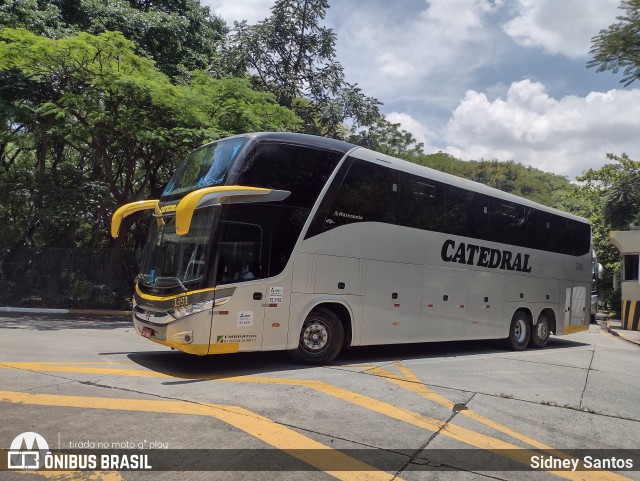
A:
(175, 279)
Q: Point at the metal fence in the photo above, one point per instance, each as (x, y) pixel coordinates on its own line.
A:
(67, 278)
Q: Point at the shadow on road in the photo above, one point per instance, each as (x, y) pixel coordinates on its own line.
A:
(194, 368)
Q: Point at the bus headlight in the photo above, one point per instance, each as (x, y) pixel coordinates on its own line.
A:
(183, 311)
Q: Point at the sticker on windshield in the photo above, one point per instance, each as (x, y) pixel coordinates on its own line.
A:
(275, 295)
(245, 318)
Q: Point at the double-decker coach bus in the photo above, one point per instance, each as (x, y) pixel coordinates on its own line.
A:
(274, 241)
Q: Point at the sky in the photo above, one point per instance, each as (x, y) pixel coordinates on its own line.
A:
(485, 79)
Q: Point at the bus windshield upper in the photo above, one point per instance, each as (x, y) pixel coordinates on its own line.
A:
(205, 167)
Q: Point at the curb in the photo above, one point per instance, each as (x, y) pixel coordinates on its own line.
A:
(616, 332)
(97, 312)
(72, 312)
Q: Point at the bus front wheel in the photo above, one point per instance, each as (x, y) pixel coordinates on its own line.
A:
(321, 338)
(540, 333)
(519, 331)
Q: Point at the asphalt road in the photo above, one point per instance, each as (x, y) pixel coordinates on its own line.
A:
(464, 411)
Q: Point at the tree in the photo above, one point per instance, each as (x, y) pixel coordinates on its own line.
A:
(388, 138)
(86, 125)
(291, 55)
(180, 36)
(618, 46)
(109, 128)
(611, 199)
(616, 188)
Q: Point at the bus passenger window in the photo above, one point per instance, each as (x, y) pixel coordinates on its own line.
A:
(366, 195)
(239, 253)
(562, 235)
(422, 201)
(300, 170)
(467, 213)
(538, 229)
(507, 222)
(581, 239)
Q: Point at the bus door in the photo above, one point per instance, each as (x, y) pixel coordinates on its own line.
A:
(575, 306)
(241, 291)
(392, 296)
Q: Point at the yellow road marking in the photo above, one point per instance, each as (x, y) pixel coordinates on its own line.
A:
(457, 433)
(418, 387)
(267, 430)
(59, 367)
(412, 383)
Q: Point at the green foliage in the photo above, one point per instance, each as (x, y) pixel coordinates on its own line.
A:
(542, 187)
(616, 188)
(618, 47)
(179, 36)
(42, 18)
(109, 128)
(611, 197)
(292, 56)
(388, 138)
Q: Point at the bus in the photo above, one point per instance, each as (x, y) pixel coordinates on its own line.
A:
(282, 241)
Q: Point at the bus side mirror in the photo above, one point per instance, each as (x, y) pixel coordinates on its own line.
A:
(126, 211)
(600, 272)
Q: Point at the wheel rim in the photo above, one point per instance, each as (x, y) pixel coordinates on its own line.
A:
(543, 331)
(315, 336)
(520, 331)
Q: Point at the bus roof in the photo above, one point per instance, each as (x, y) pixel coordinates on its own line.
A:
(303, 139)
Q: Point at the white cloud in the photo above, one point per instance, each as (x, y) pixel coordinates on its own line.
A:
(237, 10)
(560, 27)
(408, 123)
(397, 51)
(565, 136)
(392, 66)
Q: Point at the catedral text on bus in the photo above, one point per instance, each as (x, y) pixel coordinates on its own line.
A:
(275, 241)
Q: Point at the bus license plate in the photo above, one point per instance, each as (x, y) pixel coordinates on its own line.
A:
(147, 332)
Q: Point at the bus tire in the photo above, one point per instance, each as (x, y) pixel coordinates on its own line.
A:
(540, 332)
(321, 338)
(519, 331)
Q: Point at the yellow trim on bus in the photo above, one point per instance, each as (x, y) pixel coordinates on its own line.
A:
(128, 209)
(574, 329)
(202, 349)
(226, 348)
(186, 207)
(149, 297)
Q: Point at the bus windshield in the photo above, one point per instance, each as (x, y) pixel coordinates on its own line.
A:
(170, 259)
(205, 167)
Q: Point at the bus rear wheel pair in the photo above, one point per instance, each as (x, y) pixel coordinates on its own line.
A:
(523, 334)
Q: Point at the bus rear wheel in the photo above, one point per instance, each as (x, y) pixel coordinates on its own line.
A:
(321, 338)
(519, 331)
(540, 332)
